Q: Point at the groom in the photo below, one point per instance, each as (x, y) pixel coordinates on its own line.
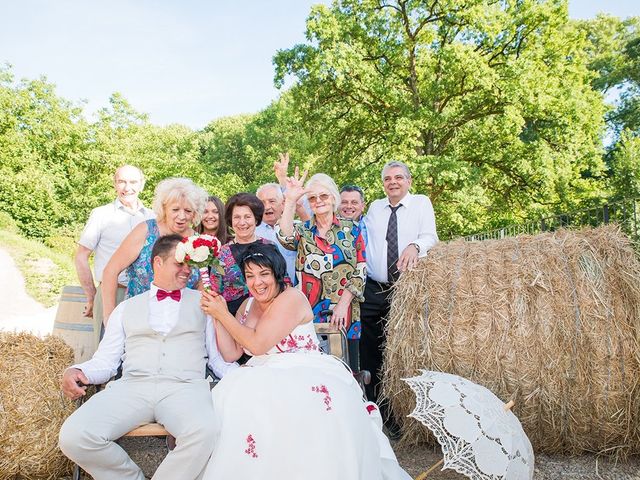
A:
(164, 340)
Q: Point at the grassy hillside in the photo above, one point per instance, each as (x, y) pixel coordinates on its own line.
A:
(45, 270)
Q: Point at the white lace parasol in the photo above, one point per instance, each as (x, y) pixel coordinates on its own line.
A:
(479, 437)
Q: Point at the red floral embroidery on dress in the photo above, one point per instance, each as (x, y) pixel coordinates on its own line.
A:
(371, 408)
(310, 345)
(294, 343)
(327, 398)
(251, 449)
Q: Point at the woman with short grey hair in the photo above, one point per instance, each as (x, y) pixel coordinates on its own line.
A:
(330, 263)
(179, 205)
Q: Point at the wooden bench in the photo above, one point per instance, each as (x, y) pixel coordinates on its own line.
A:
(148, 430)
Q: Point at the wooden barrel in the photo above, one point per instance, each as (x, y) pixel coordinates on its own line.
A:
(74, 328)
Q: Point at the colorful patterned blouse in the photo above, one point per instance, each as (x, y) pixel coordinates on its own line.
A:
(140, 272)
(326, 267)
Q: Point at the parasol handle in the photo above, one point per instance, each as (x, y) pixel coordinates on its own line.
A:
(423, 475)
(509, 405)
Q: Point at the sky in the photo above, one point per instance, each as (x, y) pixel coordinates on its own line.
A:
(187, 61)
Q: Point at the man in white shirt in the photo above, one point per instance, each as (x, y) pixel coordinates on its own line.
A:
(163, 339)
(273, 200)
(401, 228)
(105, 230)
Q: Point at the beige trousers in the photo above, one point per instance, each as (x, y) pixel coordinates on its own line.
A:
(97, 311)
(184, 408)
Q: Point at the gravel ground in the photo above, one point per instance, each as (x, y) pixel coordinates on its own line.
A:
(149, 452)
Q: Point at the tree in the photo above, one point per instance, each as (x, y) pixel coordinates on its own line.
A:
(614, 51)
(489, 102)
(41, 140)
(247, 145)
(625, 167)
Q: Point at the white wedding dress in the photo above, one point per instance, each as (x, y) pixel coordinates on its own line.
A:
(296, 413)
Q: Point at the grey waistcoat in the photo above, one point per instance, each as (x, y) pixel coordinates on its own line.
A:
(180, 355)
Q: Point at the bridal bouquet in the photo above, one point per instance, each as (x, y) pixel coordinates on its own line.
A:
(201, 251)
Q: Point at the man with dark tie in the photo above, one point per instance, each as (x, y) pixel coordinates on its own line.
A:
(165, 342)
(401, 228)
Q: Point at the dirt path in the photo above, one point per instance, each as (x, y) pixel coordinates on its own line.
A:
(18, 311)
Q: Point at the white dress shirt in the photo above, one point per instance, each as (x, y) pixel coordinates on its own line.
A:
(416, 224)
(265, 230)
(163, 316)
(105, 230)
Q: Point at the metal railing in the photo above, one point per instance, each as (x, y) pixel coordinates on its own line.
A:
(625, 213)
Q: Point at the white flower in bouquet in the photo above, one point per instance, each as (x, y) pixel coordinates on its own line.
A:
(181, 252)
(200, 254)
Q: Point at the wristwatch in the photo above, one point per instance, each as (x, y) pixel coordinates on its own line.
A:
(416, 245)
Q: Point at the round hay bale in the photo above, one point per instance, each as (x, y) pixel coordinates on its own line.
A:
(551, 321)
(32, 408)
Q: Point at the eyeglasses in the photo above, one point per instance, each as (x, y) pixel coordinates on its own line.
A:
(323, 197)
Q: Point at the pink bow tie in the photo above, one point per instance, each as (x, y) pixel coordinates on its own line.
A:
(174, 294)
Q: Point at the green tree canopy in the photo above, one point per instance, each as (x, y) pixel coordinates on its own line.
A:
(614, 51)
(489, 102)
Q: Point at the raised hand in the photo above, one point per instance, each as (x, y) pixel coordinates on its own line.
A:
(295, 186)
(281, 168)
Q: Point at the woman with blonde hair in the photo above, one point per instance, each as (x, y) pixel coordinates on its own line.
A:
(178, 204)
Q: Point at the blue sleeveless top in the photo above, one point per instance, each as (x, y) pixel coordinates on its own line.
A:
(140, 272)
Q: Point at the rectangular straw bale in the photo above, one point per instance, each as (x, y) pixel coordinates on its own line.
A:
(551, 321)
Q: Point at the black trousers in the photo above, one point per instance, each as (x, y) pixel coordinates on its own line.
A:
(373, 315)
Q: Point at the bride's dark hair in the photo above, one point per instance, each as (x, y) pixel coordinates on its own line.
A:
(266, 255)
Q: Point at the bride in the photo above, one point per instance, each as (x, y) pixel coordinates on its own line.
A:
(292, 412)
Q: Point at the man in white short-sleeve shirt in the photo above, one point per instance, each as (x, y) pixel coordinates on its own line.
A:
(401, 229)
(105, 230)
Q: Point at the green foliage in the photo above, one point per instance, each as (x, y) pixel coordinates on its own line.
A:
(247, 145)
(7, 223)
(625, 167)
(489, 102)
(498, 108)
(56, 167)
(614, 51)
